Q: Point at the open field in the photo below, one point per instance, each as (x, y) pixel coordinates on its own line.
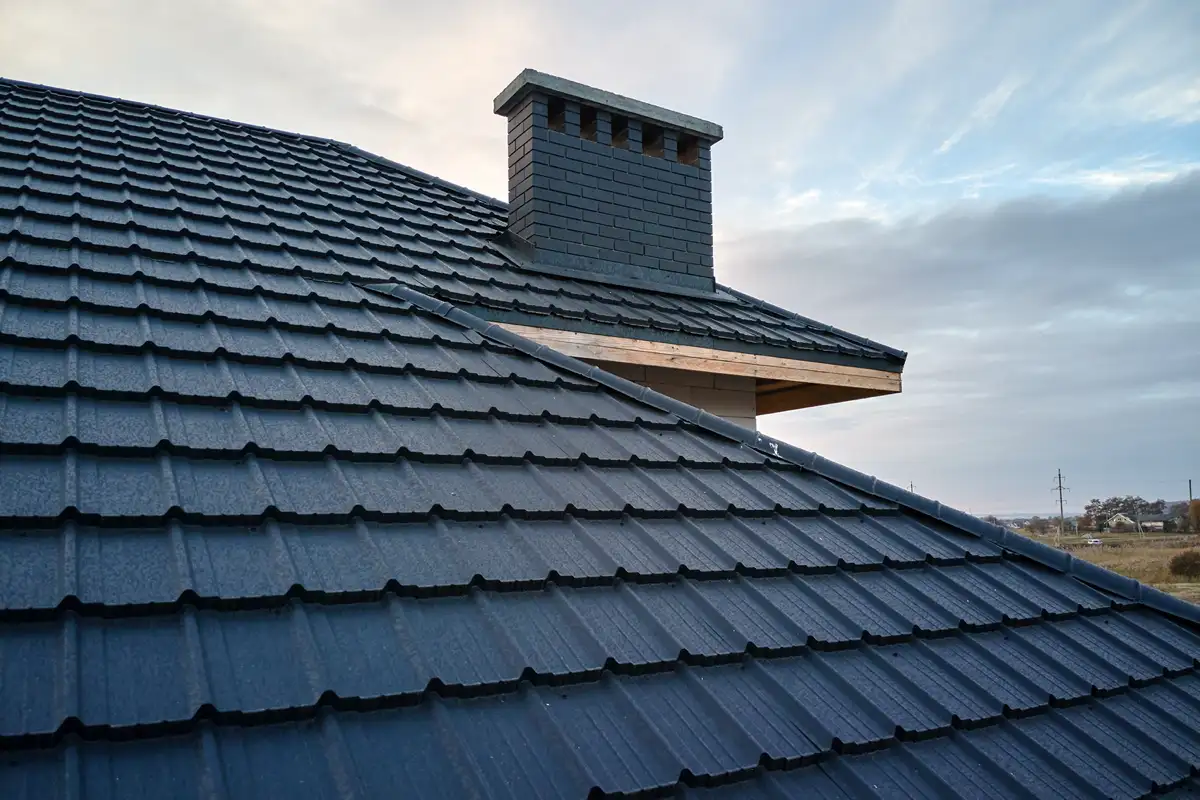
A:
(1142, 557)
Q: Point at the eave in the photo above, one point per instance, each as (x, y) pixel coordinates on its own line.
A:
(783, 384)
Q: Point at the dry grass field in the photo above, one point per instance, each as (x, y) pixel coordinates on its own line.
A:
(1142, 557)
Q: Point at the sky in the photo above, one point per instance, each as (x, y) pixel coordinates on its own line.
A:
(1008, 191)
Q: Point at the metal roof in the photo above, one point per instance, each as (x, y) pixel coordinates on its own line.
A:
(181, 188)
(268, 535)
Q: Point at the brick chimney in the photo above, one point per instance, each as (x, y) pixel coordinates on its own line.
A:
(603, 183)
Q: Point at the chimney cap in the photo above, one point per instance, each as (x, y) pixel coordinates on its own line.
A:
(530, 80)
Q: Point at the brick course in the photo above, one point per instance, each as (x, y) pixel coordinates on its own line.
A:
(590, 199)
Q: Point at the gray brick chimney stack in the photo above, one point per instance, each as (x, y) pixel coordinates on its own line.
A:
(605, 183)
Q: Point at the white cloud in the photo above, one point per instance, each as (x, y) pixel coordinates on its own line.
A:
(1143, 171)
(985, 111)
(1026, 346)
(407, 79)
(1174, 101)
(797, 202)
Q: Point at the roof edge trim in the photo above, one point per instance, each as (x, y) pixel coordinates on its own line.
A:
(173, 112)
(1037, 552)
(891, 351)
(840, 357)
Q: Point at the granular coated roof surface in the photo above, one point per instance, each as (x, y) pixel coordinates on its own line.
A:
(272, 525)
(175, 187)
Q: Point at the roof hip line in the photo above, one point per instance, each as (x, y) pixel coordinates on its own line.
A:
(1043, 554)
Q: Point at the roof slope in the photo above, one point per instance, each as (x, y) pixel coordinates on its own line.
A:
(112, 174)
(263, 535)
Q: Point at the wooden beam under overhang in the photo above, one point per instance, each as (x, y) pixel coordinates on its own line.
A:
(783, 383)
(806, 395)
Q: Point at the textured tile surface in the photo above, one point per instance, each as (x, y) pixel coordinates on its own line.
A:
(92, 179)
(264, 533)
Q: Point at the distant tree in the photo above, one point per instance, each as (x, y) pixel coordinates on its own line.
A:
(1039, 526)
(1193, 517)
(1102, 510)
(1086, 523)
(1186, 564)
(1178, 514)
(1129, 505)
(992, 519)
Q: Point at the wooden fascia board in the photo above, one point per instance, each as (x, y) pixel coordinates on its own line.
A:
(806, 395)
(789, 371)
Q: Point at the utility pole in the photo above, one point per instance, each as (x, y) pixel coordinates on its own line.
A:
(910, 487)
(1058, 487)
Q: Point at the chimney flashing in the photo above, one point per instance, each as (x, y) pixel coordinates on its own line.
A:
(530, 81)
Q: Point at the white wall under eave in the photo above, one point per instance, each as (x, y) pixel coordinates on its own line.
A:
(728, 396)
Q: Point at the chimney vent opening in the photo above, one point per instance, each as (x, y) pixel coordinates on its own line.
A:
(689, 149)
(652, 140)
(620, 132)
(587, 123)
(556, 114)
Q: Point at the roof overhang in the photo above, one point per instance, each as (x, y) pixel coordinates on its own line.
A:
(783, 384)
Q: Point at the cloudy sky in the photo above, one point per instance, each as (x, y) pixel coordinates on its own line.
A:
(1008, 191)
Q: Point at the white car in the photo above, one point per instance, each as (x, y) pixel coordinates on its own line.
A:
(1095, 541)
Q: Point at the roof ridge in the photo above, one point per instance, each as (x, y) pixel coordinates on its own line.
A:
(176, 112)
(1058, 560)
(337, 143)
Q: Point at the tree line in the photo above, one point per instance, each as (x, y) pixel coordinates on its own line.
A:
(1097, 513)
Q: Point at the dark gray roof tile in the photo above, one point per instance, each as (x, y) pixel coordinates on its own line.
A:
(355, 235)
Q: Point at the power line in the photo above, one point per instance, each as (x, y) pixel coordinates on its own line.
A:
(1058, 487)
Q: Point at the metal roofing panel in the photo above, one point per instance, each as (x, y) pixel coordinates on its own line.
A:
(286, 655)
(1008, 669)
(376, 221)
(618, 734)
(222, 378)
(211, 428)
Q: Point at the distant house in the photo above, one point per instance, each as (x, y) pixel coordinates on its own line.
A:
(1158, 522)
(1120, 520)
(1141, 522)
